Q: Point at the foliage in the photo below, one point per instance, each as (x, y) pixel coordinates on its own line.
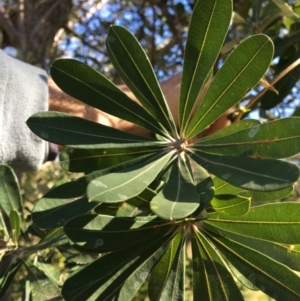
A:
(141, 198)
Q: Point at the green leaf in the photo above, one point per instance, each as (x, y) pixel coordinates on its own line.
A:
(88, 85)
(275, 139)
(49, 270)
(4, 232)
(270, 276)
(249, 173)
(138, 277)
(223, 187)
(134, 67)
(9, 190)
(242, 70)
(15, 222)
(52, 213)
(88, 160)
(127, 183)
(103, 233)
(65, 129)
(42, 288)
(7, 276)
(106, 275)
(179, 196)
(208, 27)
(204, 184)
(288, 255)
(63, 202)
(278, 222)
(229, 130)
(232, 205)
(216, 281)
(167, 278)
(53, 238)
(157, 289)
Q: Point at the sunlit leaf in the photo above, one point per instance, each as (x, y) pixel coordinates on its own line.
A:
(223, 188)
(139, 205)
(275, 139)
(65, 129)
(9, 190)
(42, 288)
(249, 173)
(179, 196)
(229, 130)
(277, 222)
(219, 283)
(121, 186)
(203, 183)
(242, 70)
(270, 276)
(284, 253)
(88, 85)
(8, 275)
(133, 65)
(107, 274)
(207, 31)
(161, 272)
(88, 160)
(232, 205)
(15, 222)
(167, 279)
(104, 233)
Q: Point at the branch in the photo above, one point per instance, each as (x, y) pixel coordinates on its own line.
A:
(43, 19)
(272, 83)
(7, 25)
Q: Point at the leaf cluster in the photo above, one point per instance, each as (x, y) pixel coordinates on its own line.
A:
(142, 197)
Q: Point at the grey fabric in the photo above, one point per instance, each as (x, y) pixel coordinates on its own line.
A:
(23, 92)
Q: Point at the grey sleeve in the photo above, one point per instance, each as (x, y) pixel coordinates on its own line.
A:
(23, 92)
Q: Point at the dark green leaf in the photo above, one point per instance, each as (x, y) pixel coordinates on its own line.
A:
(88, 160)
(65, 129)
(103, 233)
(278, 222)
(207, 31)
(133, 65)
(7, 276)
(88, 85)
(242, 70)
(53, 213)
(106, 275)
(249, 173)
(179, 196)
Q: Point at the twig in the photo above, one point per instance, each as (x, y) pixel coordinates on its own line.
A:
(7, 25)
(272, 83)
